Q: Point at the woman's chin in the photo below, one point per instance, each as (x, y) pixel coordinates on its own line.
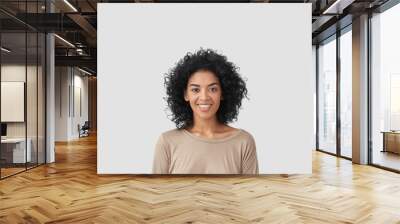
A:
(205, 115)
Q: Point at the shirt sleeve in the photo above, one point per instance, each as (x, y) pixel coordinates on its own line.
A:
(161, 157)
(249, 159)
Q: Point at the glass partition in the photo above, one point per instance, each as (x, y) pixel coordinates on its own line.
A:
(41, 109)
(13, 94)
(34, 51)
(31, 100)
(22, 67)
(385, 89)
(346, 93)
(327, 96)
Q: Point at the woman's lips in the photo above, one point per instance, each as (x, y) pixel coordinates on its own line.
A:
(204, 107)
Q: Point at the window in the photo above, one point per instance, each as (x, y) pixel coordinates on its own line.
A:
(327, 96)
(346, 93)
(385, 88)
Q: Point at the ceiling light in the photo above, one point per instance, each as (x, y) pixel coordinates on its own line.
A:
(5, 49)
(84, 71)
(64, 40)
(330, 7)
(70, 5)
(79, 51)
(337, 7)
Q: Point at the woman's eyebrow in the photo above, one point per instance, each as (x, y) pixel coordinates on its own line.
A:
(197, 85)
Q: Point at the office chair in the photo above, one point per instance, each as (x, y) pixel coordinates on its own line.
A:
(84, 130)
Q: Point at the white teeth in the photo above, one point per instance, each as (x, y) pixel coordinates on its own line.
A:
(204, 106)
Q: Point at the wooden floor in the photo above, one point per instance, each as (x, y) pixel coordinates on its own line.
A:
(5, 172)
(70, 191)
(8, 171)
(387, 159)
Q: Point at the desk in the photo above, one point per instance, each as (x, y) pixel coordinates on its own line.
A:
(13, 150)
(391, 141)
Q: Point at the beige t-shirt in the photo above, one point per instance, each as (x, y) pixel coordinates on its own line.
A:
(181, 152)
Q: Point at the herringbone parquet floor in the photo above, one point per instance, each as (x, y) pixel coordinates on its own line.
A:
(70, 191)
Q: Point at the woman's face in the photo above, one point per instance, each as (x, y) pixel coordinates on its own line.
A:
(204, 94)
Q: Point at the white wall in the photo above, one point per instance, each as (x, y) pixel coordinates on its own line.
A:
(68, 82)
(314, 73)
(15, 73)
(81, 82)
(61, 103)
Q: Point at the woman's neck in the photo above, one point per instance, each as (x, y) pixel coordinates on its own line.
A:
(207, 127)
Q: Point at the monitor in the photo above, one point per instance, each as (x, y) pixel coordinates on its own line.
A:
(3, 129)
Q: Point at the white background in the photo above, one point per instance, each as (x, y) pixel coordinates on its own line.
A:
(139, 43)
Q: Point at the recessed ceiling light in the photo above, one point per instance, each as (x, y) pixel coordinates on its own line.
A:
(337, 7)
(70, 5)
(5, 50)
(64, 40)
(84, 71)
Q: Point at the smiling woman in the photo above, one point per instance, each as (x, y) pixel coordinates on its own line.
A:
(204, 94)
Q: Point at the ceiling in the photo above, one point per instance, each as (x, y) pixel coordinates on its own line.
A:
(76, 22)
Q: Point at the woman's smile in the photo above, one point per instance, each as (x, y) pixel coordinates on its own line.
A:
(204, 107)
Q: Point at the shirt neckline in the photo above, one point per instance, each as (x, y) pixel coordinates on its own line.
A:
(211, 140)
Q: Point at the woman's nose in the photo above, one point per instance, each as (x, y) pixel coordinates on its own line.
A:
(203, 95)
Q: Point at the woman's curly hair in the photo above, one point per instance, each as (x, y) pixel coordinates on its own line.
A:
(233, 86)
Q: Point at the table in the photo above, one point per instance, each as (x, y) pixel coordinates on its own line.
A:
(13, 150)
(391, 141)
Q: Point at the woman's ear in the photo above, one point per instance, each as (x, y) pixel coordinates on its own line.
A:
(185, 96)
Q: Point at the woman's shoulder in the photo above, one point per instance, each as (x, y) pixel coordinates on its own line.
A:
(245, 135)
(171, 134)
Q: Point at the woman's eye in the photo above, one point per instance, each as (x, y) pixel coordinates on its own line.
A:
(195, 90)
(214, 89)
